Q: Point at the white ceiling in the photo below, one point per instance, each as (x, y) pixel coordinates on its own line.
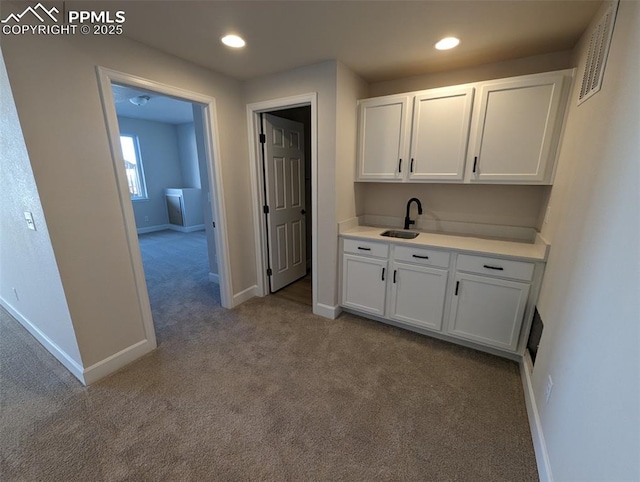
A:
(159, 108)
(379, 40)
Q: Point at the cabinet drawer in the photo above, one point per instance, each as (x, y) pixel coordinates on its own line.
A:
(427, 257)
(495, 267)
(368, 248)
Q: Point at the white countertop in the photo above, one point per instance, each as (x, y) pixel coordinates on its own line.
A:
(530, 251)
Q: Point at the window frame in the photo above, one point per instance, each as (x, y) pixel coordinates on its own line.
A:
(144, 195)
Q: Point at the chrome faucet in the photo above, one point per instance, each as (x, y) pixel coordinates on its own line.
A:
(407, 220)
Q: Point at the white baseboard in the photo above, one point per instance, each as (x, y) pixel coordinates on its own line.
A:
(152, 229)
(214, 278)
(326, 311)
(116, 361)
(68, 362)
(172, 227)
(186, 229)
(539, 445)
(245, 295)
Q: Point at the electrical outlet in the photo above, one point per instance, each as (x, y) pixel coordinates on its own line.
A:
(547, 391)
(28, 217)
(547, 215)
(15, 292)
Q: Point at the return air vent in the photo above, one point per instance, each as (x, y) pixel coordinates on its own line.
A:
(599, 42)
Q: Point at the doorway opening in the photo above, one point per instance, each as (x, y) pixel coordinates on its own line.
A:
(167, 175)
(283, 142)
(164, 149)
(286, 163)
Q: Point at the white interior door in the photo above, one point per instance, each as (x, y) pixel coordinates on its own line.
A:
(284, 178)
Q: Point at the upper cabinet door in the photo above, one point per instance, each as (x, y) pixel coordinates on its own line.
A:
(517, 129)
(382, 138)
(441, 119)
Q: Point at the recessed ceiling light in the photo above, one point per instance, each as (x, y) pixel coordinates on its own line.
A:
(447, 43)
(233, 41)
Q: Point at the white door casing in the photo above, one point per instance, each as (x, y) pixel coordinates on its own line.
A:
(107, 77)
(285, 195)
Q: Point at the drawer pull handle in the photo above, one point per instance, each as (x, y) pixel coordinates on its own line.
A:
(497, 268)
(394, 275)
(420, 257)
(364, 249)
(400, 166)
(383, 269)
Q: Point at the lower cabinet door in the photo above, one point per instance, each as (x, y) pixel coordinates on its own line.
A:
(417, 295)
(364, 283)
(488, 310)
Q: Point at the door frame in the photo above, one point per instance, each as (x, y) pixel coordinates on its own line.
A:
(257, 181)
(106, 77)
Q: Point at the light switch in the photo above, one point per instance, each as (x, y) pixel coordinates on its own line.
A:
(29, 219)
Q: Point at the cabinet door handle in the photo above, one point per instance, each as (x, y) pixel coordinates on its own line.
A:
(383, 269)
(420, 257)
(400, 166)
(457, 286)
(364, 249)
(394, 275)
(475, 163)
(497, 268)
(411, 167)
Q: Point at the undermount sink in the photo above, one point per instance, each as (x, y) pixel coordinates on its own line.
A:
(400, 234)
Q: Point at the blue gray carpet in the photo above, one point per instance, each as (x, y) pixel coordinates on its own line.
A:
(266, 391)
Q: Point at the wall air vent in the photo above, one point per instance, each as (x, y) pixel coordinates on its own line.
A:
(599, 42)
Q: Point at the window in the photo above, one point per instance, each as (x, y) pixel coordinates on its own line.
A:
(133, 166)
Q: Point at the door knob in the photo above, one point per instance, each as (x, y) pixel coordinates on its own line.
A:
(303, 212)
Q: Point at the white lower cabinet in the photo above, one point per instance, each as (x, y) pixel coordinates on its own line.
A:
(417, 295)
(488, 310)
(485, 302)
(364, 283)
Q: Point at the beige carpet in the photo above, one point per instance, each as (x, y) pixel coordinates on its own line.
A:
(267, 391)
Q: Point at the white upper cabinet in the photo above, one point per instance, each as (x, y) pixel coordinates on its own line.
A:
(440, 133)
(382, 137)
(501, 131)
(517, 129)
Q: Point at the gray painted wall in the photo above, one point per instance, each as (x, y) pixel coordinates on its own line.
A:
(27, 261)
(188, 151)
(63, 123)
(589, 300)
(161, 162)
